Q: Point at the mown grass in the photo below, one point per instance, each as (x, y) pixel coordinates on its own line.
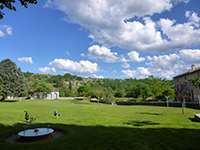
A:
(101, 126)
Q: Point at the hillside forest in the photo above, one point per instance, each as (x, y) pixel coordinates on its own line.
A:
(151, 88)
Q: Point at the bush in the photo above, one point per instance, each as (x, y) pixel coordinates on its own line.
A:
(110, 99)
(134, 99)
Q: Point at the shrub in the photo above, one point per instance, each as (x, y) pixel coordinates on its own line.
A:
(134, 99)
(110, 99)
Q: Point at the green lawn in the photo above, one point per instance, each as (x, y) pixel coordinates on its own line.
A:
(101, 126)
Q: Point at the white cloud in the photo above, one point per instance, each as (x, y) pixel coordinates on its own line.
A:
(164, 62)
(114, 71)
(179, 1)
(134, 56)
(193, 18)
(82, 55)
(8, 30)
(67, 53)
(99, 77)
(47, 70)
(190, 56)
(141, 72)
(66, 65)
(2, 34)
(102, 54)
(125, 65)
(109, 23)
(26, 59)
(166, 66)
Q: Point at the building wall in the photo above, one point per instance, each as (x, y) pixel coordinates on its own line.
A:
(194, 92)
(40, 95)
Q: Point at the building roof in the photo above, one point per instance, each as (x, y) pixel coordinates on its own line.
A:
(188, 72)
(55, 90)
(34, 90)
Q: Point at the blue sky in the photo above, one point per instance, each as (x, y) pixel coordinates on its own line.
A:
(103, 38)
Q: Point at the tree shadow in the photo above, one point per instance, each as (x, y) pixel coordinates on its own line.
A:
(147, 113)
(11, 101)
(77, 137)
(141, 123)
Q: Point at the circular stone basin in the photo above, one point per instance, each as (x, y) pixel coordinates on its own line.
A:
(35, 134)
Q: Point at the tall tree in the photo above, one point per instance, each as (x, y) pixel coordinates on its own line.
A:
(12, 79)
(140, 90)
(84, 91)
(9, 5)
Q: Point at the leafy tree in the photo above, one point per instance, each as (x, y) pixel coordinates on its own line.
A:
(9, 5)
(181, 92)
(110, 98)
(42, 87)
(140, 90)
(70, 85)
(160, 87)
(84, 90)
(119, 94)
(12, 80)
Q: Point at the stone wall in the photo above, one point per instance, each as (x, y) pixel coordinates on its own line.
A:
(192, 89)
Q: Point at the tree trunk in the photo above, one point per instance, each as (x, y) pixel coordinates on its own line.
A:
(3, 99)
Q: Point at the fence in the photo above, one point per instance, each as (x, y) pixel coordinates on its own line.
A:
(194, 105)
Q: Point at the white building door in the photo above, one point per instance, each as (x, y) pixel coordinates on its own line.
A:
(49, 96)
(55, 95)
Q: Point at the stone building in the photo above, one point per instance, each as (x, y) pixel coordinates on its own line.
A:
(183, 78)
(40, 95)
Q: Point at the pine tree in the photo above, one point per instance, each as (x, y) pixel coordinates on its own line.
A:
(12, 80)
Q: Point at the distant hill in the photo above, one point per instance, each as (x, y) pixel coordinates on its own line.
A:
(68, 84)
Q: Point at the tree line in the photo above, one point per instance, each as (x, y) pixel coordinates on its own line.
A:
(15, 83)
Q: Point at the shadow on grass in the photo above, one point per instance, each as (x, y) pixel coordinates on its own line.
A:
(11, 101)
(104, 138)
(141, 123)
(147, 113)
(193, 120)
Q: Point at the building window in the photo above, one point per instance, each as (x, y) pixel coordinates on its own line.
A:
(177, 80)
(185, 78)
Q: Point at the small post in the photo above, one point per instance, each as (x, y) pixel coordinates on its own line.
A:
(199, 100)
(182, 108)
(184, 102)
(167, 101)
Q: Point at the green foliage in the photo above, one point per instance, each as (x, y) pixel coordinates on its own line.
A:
(27, 74)
(160, 87)
(140, 90)
(110, 98)
(84, 91)
(12, 79)
(9, 5)
(195, 82)
(68, 84)
(119, 94)
(42, 87)
(134, 99)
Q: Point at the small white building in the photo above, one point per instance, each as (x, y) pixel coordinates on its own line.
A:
(40, 95)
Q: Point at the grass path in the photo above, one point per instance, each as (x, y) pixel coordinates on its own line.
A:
(100, 126)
